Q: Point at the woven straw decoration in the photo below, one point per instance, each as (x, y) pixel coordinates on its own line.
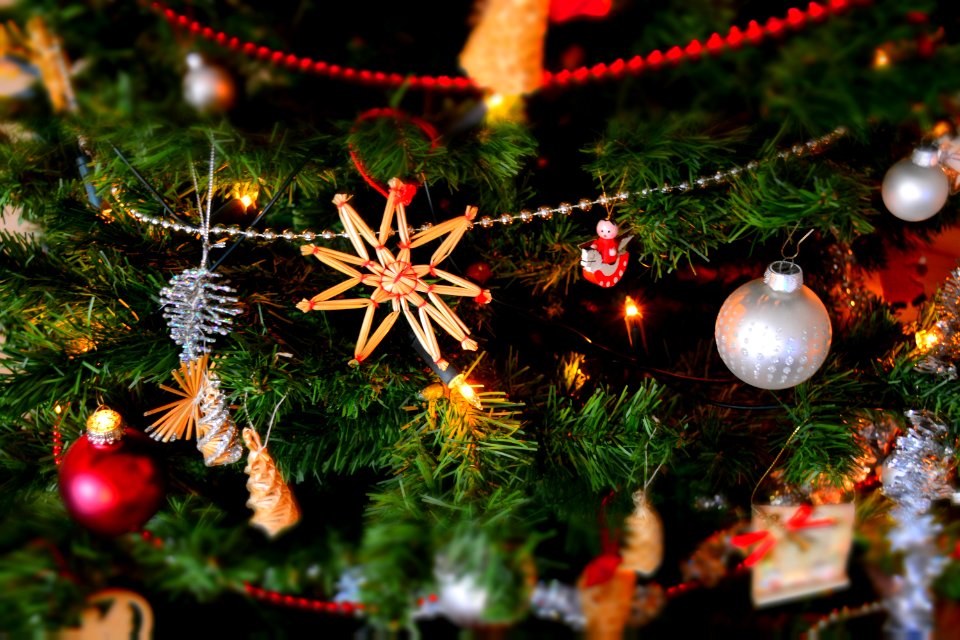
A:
(274, 507)
(643, 548)
(504, 52)
(217, 436)
(607, 606)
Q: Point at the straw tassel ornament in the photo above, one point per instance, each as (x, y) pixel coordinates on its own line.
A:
(217, 437)
(274, 507)
(201, 407)
(643, 550)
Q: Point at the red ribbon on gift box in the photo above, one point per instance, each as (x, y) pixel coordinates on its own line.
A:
(797, 522)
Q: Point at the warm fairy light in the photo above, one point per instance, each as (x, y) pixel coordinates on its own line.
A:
(503, 107)
(941, 129)
(57, 409)
(81, 345)
(881, 60)
(468, 393)
(460, 384)
(926, 340)
(573, 374)
(245, 193)
(633, 315)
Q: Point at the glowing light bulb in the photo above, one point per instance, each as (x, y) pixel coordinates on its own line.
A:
(469, 394)
(633, 314)
(57, 409)
(926, 340)
(941, 129)
(881, 60)
(495, 101)
(246, 193)
(503, 107)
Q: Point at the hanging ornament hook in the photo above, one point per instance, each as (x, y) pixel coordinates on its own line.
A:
(783, 249)
(776, 460)
(648, 480)
(273, 417)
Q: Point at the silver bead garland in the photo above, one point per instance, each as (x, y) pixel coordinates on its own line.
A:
(812, 146)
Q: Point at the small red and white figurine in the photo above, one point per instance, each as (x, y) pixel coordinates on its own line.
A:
(604, 260)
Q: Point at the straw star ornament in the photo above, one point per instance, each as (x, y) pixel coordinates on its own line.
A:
(394, 278)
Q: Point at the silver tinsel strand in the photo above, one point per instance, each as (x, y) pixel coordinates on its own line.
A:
(217, 436)
(942, 358)
(914, 476)
(197, 310)
(559, 602)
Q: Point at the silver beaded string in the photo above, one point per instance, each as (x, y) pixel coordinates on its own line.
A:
(813, 146)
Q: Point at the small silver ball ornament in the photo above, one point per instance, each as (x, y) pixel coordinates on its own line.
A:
(774, 332)
(206, 87)
(915, 188)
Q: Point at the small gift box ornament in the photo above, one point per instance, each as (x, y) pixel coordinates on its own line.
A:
(797, 551)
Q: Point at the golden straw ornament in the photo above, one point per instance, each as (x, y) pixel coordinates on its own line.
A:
(395, 279)
(274, 507)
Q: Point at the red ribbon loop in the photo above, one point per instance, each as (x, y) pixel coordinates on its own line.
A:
(407, 191)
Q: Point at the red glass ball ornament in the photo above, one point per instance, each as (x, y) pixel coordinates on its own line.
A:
(479, 272)
(112, 488)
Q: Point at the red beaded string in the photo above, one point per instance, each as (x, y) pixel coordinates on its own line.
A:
(61, 411)
(352, 608)
(715, 44)
(311, 604)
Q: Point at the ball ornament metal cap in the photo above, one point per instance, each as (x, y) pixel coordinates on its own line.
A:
(926, 157)
(104, 426)
(784, 276)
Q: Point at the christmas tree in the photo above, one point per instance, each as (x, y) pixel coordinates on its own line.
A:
(529, 319)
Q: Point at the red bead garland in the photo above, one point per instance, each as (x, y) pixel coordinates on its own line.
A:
(355, 608)
(61, 411)
(754, 34)
(311, 604)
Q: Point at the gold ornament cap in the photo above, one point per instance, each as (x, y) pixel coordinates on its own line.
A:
(104, 426)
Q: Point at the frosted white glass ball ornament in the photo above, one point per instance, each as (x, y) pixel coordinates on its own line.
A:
(774, 332)
(916, 188)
